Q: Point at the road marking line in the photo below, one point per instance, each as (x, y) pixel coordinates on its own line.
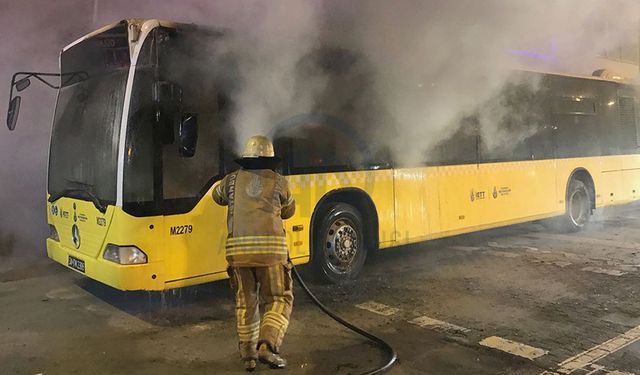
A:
(497, 245)
(531, 249)
(557, 263)
(593, 370)
(503, 254)
(378, 308)
(604, 271)
(513, 347)
(438, 325)
(598, 352)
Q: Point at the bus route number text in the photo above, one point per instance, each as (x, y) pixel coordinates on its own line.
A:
(181, 229)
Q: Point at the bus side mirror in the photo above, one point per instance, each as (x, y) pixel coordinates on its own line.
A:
(12, 113)
(23, 84)
(188, 135)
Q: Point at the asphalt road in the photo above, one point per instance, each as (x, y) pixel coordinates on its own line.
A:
(518, 300)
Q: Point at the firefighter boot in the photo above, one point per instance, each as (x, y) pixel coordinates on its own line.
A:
(249, 364)
(268, 357)
(249, 355)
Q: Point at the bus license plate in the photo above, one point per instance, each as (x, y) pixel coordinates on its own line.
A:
(76, 264)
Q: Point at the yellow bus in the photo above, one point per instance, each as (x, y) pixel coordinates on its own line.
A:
(141, 135)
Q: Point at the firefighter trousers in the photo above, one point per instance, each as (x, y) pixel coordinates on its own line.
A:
(268, 289)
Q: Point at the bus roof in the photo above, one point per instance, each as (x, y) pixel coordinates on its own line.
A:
(151, 22)
(140, 22)
(620, 79)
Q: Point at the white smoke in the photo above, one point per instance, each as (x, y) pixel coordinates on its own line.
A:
(272, 39)
(437, 61)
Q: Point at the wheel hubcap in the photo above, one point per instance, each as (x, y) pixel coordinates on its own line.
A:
(342, 246)
(578, 207)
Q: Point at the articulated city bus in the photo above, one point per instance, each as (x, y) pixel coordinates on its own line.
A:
(141, 134)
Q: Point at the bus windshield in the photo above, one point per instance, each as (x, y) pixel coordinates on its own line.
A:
(86, 128)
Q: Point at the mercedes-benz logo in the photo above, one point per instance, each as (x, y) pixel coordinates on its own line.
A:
(75, 235)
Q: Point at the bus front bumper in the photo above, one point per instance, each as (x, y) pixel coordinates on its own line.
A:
(123, 277)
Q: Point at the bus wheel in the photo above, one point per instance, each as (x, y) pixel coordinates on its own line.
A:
(339, 247)
(578, 206)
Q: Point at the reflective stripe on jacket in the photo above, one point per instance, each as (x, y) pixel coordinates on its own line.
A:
(258, 202)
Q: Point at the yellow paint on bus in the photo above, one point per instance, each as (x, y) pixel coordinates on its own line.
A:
(412, 204)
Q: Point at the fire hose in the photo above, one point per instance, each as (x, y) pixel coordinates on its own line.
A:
(392, 355)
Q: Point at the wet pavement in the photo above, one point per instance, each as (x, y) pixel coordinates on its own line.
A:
(517, 300)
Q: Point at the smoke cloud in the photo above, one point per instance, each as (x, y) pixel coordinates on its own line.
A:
(438, 61)
(425, 65)
(422, 67)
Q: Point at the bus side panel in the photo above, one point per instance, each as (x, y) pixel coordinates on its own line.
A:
(609, 178)
(433, 202)
(380, 187)
(303, 189)
(606, 174)
(631, 175)
(411, 203)
(195, 244)
(309, 189)
(459, 190)
(517, 190)
(624, 192)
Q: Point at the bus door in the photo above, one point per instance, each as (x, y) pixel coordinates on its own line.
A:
(190, 155)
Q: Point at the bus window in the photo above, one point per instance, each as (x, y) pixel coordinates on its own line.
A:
(577, 126)
(183, 60)
(541, 143)
(461, 147)
(86, 126)
(628, 123)
(607, 114)
(139, 195)
(574, 106)
(139, 148)
(509, 119)
(319, 148)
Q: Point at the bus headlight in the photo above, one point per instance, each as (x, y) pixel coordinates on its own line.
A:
(124, 254)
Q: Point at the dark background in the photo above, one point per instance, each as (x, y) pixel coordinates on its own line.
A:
(32, 33)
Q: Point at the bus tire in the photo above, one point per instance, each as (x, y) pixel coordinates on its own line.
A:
(339, 249)
(578, 209)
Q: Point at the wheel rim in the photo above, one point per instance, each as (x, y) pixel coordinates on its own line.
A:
(578, 207)
(341, 246)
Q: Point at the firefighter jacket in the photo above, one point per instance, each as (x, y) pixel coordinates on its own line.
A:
(258, 200)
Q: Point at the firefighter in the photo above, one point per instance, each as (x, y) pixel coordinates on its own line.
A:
(256, 249)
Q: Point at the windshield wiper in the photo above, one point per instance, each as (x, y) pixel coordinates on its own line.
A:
(94, 199)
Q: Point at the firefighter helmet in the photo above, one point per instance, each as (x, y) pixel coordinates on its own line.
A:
(258, 146)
